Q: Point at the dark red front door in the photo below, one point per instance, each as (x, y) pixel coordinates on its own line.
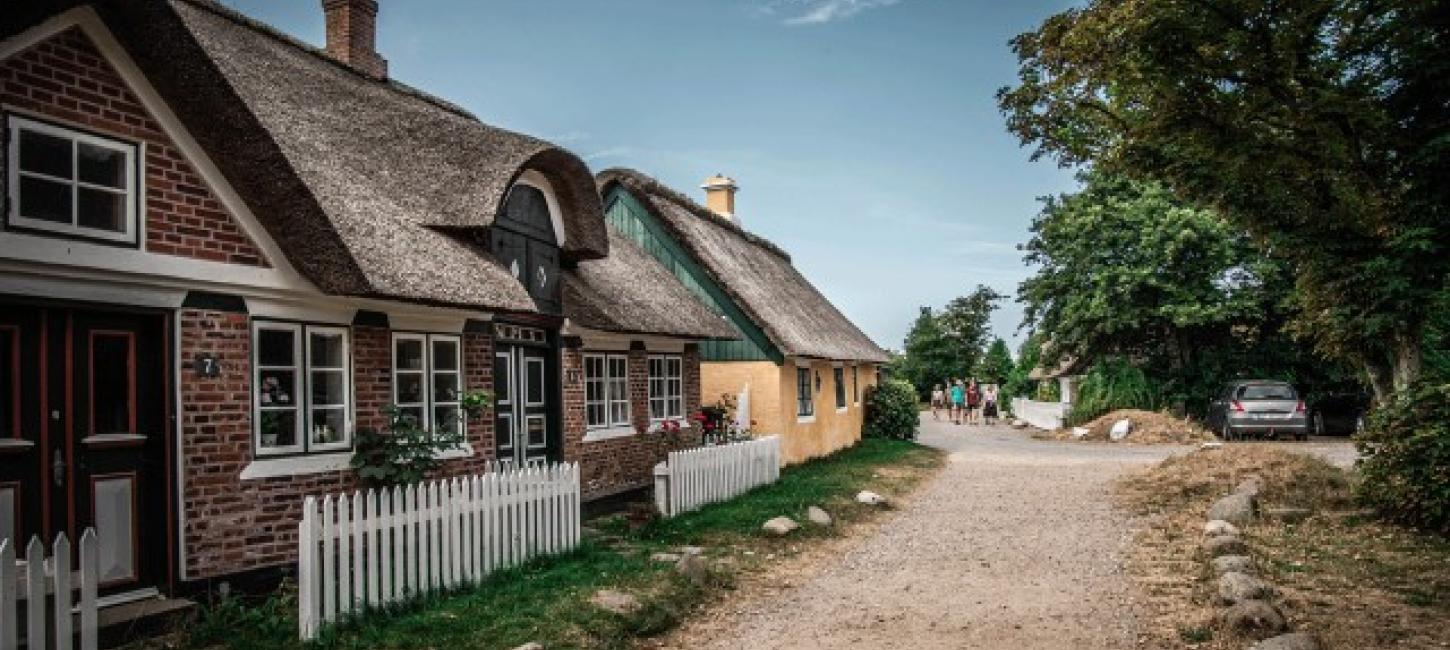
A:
(90, 447)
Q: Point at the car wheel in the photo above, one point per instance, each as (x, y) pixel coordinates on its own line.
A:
(1228, 433)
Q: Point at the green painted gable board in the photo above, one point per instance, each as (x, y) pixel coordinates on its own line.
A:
(634, 221)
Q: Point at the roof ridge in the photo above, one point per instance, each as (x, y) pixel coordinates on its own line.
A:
(222, 11)
(653, 185)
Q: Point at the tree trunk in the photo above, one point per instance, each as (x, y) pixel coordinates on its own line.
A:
(1408, 359)
(1381, 380)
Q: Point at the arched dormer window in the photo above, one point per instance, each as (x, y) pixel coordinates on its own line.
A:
(526, 238)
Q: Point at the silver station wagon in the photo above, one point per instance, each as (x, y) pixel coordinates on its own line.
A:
(1258, 409)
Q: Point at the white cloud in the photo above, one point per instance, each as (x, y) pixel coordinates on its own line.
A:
(818, 12)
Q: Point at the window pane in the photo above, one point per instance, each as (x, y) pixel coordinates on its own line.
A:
(595, 414)
(446, 420)
(111, 383)
(101, 166)
(619, 412)
(328, 388)
(445, 355)
(411, 415)
(445, 387)
(328, 426)
(277, 388)
(326, 349)
(45, 154)
(45, 200)
(101, 210)
(279, 428)
(274, 347)
(409, 354)
(501, 385)
(410, 388)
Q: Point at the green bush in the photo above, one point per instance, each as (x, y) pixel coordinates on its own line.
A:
(1405, 466)
(891, 411)
(1110, 385)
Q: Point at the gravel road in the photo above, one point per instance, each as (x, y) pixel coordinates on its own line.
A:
(1013, 545)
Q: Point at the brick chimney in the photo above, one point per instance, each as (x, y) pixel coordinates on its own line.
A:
(351, 26)
(720, 195)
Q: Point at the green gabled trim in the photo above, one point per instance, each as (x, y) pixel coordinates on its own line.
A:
(635, 221)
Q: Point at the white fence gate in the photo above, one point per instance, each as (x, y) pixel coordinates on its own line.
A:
(692, 478)
(46, 579)
(378, 547)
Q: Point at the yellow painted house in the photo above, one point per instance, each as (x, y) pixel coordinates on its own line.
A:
(803, 365)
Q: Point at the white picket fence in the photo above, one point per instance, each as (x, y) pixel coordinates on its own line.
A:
(692, 478)
(50, 579)
(378, 547)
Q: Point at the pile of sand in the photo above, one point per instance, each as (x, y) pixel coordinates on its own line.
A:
(1148, 428)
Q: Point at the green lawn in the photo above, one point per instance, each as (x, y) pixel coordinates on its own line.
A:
(547, 601)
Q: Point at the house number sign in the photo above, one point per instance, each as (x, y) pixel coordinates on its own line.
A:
(207, 365)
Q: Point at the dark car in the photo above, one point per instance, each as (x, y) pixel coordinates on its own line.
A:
(1338, 413)
(1258, 408)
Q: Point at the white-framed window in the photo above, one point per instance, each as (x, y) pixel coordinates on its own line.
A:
(302, 388)
(606, 391)
(428, 380)
(666, 387)
(71, 182)
(805, 394)
(839, 377)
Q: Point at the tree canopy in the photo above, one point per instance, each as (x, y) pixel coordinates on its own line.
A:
(996, 364)
(1319, 127)
(949, 343)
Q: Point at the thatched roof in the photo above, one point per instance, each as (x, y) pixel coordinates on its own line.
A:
(756, 274)
(631, 292)
(370, 187)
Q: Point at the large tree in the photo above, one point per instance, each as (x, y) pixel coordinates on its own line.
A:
(947, 344)
(965, 321)
(996, 364)
(1320, 127)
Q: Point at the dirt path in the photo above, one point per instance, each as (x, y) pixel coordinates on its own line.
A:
(1013, 545)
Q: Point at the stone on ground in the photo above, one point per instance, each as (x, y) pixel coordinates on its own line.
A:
(1235, 587)
(690, 550)
(1219, 527)
(1250, 486)
(780, 526)
(1079, 432)
(1233, 564)
(1294, 641)
(666, 558)
(870, 498)
(818, 516)
(1120, 429)
(616, 602)
(693, 568)
(1254, 617)
(532, 645)
(1222, 545)
(1237, 509)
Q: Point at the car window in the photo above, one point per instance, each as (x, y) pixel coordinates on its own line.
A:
(1267, 391)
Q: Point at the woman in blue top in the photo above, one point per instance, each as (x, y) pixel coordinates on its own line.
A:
(959, 398)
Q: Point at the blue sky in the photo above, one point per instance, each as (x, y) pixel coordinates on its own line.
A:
(863, 133)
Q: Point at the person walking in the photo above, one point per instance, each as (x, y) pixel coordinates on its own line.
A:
(989, 404)
(959, 393)
(938, 401)
(974, 402)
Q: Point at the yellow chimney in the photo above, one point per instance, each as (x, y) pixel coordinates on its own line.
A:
(720, 195)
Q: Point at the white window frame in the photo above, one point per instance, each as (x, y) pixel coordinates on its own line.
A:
(131, 192)
(345, 372)
(299, 388)
(608, 383)
(671, 397)
(302, 387)
(428, 375)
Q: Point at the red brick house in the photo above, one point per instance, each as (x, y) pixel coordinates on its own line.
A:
(224, 251)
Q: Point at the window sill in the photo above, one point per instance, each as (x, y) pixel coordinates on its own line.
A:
(840, 409)
(805, 419)
(296, 466)
(596, 435)
(461, 451)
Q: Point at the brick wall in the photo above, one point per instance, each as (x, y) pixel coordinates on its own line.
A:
(66, 79)
(624, 463)
(233, 525)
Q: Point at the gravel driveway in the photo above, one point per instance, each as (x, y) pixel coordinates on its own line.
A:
(1013, 545)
